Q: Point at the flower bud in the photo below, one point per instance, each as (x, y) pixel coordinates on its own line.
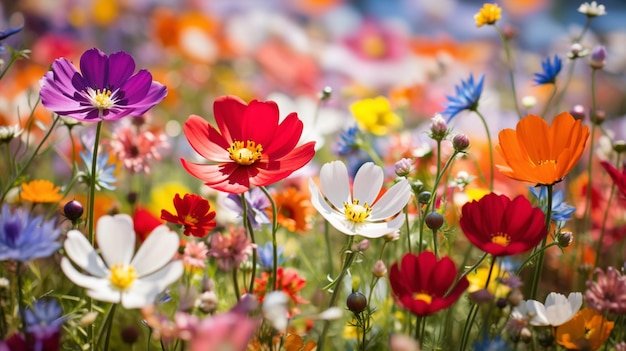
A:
(404, 167)
(438, 128)
(565, 239)
(578, 112)
(207, 302)
(576, 51)
(619, 146)
(434, 220)
(88, 319)
(326, 93)
(597, 60)
(394, 236)
(361, 246)
(129, 334)
(73, 210)
(379, 269)
(599, 117)
(356, 302)
(526, 335)
(460, 142)
(424, 197)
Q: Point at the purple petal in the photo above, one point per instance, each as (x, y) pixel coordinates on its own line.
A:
(94, 67)
(121, 67)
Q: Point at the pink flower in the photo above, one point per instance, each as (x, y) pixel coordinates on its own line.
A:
(137, 149)
(195, 255)
(608, 293)
(231, 249)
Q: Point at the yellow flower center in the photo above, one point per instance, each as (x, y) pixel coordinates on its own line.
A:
(543, 162)
(423, 297)
(488, 14)
(373, 46)
(122, 276)
(191, 220)
(355, 212)
(101, 98)
(245, 153)
(501, 239)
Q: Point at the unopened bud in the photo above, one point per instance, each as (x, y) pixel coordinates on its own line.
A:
(515, 297)
(460, 142)
(356, 302)
(129, 334)
(597, 60)
(327, 92)
(529, 101)
(393, 236)
(361, 246)
(565, 239)
(424, 197)
(404, 167)
(599, 117)
(434, 220)
(576, 51)
(619, 146)
(88, 319)
(379, 269)
(73, 210)
(438, 128)
(525, 335)
(207, 302)
(578, 112)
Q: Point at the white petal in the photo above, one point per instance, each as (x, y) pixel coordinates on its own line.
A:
(538, 311)
(335, 183)
(575, 300)
(376, 230)
(105, 293)
(158, 249)
(392, 201)
(80, 279)
(80, 251)
(144, 290)
(367, 183)
(116, 239)
(275, 309)
(561, 309)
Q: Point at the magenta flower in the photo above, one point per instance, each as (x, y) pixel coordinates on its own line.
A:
(107, 89)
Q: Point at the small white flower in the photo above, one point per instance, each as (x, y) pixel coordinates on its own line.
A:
(276, 309)
(357, 211)
(556, 311)
(117, 276)
(8, 133)
(592, 10)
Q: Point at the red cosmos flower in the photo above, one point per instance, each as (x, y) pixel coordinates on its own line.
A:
(619, 178)
(194, 213)
(250, 148)
(420, 283)
(501, 226)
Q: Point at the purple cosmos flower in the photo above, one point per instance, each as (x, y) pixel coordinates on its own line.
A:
(24, 238)
(107, 89)
(256, 203)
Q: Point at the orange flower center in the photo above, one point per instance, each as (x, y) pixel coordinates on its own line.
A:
(191, 220)
(355, 212)
(501, 239)
(423, 297)
(122, 276)
(246, 153)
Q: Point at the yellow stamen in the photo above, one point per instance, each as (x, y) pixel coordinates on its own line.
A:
(245, 155)
(423, 297)
(190, 219)
(501, 239)
(355, 212)
(122, 276)
(101, 98)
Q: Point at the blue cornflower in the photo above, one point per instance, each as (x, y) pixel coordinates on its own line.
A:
(467, 96)
(550, 71)
(256, 202)
(43, 324)
(486, 344)
(24, 238)
(7, 33)
(348, 141)
(560, 210)
(266, 256)
(104, 171)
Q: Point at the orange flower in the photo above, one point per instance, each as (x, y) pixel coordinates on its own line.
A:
(40, 191)
(588, 330)
(294, 209)
(541, 154)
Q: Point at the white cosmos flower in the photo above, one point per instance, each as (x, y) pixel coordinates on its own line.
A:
(556, 311)
(592, 9)
(358, 211)
(117, 276)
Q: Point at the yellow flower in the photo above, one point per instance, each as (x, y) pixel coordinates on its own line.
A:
(42, 191)
(375, 115)
(588, 330)
(478, 278)
(488, 14)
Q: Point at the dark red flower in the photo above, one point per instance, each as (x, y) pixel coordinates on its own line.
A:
(144, 223)
(619, 178)
(420, 283)
(194, 213)
(250, 148)
(501, 226)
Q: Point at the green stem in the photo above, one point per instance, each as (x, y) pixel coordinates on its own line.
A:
(92, 185)
(20, 297)
(604, 219)
(336, 285)
(533, 256)
(236, 284)
(507, 51)
(109, 327)
(594, 124)
(328, 250)
(248, 225)
(539, 267)
(367, 147)
(274, 242)
(490, 146)
(469, 323)
(30, 160)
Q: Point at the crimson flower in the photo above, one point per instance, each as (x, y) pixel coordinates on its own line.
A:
(106, 89)
(420, 283)
(250, 148)
(501, 226)
(194, 213)
(619, 178)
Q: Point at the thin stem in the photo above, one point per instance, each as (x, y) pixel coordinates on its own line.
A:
(20, 297)
(533, 256)
(604, 219)
(367, 147)
(592, 115)
(507, 51)
(336, 285)
(109, 323)
(248, 225)
(328, 250)
(469, 323)
(539, 267)
(30, 160)
(274, 242)
(236, 284)
(92, 185)
(490, 146)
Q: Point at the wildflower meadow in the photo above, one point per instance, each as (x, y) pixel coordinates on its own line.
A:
(312, 175)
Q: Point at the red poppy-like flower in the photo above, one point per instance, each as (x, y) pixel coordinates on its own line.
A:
(250, 148)
(501, 226)
(194, 213)
(420, 283)
(619, 178)
(144, 223)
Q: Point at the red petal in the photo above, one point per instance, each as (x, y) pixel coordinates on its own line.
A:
(206, 140)
(260, 122)
(229, 112)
